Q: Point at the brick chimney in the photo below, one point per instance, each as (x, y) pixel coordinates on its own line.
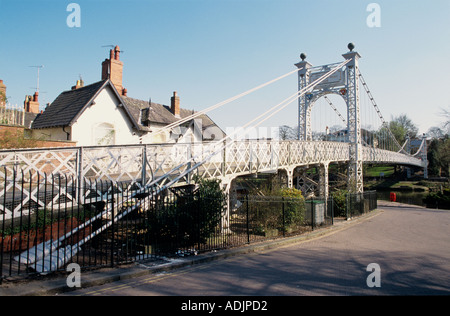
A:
(175, 104)
(2, 93)
(112, 69)
(31, 103)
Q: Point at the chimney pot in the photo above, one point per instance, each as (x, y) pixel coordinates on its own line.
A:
(116, 52)
(79, 84)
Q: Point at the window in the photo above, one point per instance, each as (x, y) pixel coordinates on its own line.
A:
(104, 134)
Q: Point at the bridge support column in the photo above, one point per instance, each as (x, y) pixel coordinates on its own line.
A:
(225, 223)
(290, 176)
(323, 182)
(304, 125)
(424, 157)
(323, 176)
(355, 171)
(408, 150)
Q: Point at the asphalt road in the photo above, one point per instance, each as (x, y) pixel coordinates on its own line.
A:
(410, 246)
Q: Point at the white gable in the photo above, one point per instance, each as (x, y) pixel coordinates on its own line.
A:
(105, 122)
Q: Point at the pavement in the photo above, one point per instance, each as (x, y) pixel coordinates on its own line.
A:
(54, 284)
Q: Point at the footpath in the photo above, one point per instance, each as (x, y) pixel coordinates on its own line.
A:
(54, 284)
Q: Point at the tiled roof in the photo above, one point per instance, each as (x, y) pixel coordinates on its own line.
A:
(29, 118)
(69, 105)
(159, 113)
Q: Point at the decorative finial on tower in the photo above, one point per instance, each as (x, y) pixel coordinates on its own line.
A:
(351, 46)
(303, 56)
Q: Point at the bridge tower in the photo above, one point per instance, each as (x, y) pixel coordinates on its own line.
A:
(344, 82)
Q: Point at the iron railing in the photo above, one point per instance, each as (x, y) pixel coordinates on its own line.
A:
(12, 115)
(130, 224)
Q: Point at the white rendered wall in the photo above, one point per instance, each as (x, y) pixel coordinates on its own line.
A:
(104, 110)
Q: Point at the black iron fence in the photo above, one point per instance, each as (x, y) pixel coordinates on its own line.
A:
(130, 223)
(360, 203)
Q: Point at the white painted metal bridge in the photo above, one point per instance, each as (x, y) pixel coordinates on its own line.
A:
(74, 170)
(144, 165)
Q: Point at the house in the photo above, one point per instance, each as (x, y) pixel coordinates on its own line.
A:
(102, 113)
(338, 136)
(415, 145)
(368, 138)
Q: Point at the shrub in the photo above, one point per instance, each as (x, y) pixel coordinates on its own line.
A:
(189, 221)
(340, 202)
(439, 199)
(266, 212)
(294, 209)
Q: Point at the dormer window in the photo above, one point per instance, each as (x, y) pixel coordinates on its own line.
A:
(145, 117)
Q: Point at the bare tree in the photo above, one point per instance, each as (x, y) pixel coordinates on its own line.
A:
(446, 124)
(287, 133)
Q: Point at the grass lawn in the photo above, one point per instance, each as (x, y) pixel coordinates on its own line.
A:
(376, 171)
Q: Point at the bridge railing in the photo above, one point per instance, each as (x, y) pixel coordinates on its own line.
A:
(377, 155)
(139, 165)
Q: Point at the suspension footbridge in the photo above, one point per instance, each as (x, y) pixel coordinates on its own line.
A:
(152, 168)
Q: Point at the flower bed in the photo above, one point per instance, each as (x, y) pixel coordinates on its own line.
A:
(29, 238)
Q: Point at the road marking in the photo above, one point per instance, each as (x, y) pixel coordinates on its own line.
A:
(158, 277)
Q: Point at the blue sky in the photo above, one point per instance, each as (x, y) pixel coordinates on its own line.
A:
(210, 50)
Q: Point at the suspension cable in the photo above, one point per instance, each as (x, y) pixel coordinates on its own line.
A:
(294, 97)
(280, 106)
(420, 147)
(335, 109)
(220, 104)
(366, 88)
